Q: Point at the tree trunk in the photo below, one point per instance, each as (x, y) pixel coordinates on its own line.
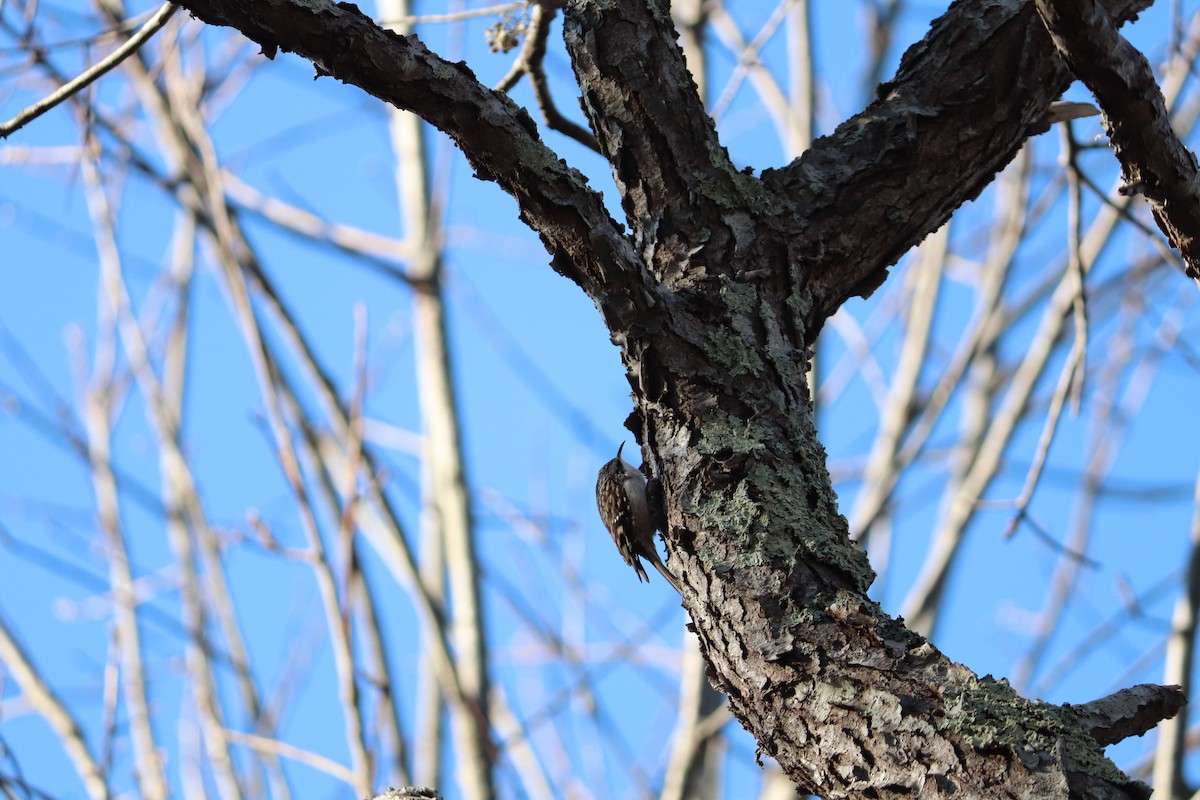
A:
(715, 297)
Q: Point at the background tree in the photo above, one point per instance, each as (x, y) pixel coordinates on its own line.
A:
(715, 287)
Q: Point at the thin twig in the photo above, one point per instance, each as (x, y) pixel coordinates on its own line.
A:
(42, 699)
(458, 16)
(85, 79)
(149, 767)
(531, 62)
(274, 747)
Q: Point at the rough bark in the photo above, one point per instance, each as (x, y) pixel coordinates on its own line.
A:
(1154, 162)
(715, 296)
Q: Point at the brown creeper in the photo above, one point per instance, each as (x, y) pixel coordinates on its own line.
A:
(621, 498)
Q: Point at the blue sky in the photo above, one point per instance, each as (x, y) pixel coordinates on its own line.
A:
(543, 399)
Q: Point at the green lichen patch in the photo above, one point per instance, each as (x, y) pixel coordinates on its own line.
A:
(737, 297)
(727, 435)
(989, 714)
(733, 353)
(777, 513)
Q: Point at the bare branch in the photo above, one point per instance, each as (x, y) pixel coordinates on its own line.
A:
(54, 711)
(1154, 162)
(85, 79)
(498, 138)
(1131, 712)
(531, 62)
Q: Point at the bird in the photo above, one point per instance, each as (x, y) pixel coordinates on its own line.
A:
(625, 511)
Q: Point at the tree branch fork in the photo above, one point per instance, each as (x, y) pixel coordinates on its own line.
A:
(715, 295)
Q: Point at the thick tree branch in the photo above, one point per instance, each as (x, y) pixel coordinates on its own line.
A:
(856, 200)
(1154, 162)
(650, 121)
(962, 103)
(497, 136)
(1130, 712)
